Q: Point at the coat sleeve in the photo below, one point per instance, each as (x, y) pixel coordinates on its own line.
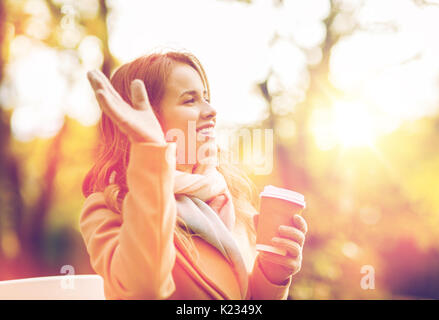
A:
(135, 253)
(263, 289)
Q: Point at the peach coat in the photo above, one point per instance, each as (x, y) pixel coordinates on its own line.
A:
(136, 252)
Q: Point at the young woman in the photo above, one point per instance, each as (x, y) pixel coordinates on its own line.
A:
(158, 224)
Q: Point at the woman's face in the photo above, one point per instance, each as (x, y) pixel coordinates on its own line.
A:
(185, 112)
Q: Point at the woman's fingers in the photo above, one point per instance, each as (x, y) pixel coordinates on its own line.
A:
(300, 223)
(105, 83)
(139, 96)
(292, 233)
(292, 264)
(94, 82)
(141, 125)
(106, 104)
(115, 103)
(293, 248)
(111, 108)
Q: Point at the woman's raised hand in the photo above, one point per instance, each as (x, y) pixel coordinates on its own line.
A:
(138, 121)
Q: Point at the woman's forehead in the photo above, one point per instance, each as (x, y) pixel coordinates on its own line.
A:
(184, 78)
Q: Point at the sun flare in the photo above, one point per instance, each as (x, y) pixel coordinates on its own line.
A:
(348, 124)
(353, 125)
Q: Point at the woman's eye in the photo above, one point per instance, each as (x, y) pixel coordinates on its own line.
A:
(193, 100)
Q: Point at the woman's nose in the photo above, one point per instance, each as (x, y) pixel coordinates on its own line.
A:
(207, 111)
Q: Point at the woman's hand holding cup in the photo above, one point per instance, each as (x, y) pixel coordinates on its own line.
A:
(138, 121)
(281, 233)
(291, 238)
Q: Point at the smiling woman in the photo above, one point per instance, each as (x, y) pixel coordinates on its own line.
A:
(156, 228)
(186, 100)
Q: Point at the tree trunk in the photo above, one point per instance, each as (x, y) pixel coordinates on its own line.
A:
(41, 208)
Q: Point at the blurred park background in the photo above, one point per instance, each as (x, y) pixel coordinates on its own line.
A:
(350, 88)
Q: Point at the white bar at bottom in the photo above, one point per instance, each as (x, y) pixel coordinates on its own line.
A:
(263, 247)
